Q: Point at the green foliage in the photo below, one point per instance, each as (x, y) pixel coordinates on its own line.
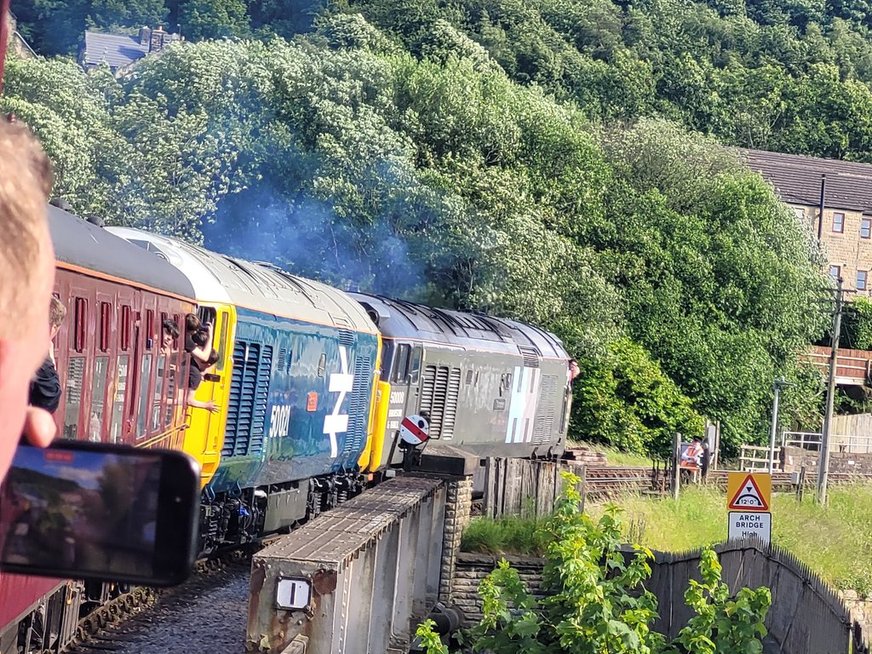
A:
(723, 625)
(626, 401)
(595, 600)
(665, 266)
(857, 325)
(509, 534)
(429, 639)
(797, 527)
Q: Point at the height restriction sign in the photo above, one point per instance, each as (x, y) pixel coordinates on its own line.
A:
(749, 491)
(749, 501)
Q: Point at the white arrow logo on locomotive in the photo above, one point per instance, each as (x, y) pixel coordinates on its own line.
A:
(340, 382)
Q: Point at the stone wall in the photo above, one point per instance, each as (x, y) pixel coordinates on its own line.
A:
(846, 249)
(842, 463)
(457, 513)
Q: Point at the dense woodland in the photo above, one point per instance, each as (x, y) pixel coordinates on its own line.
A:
(560, 162)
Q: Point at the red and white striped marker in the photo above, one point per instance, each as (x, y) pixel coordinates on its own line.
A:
(414, 430)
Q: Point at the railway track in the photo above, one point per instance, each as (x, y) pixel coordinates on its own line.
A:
(102, 629)
(608, 482)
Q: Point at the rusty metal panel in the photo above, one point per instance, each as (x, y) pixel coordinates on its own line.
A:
(357, 573)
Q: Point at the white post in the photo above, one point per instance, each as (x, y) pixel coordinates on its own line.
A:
(776, 386)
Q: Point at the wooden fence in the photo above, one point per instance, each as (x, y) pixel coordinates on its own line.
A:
(806, 615)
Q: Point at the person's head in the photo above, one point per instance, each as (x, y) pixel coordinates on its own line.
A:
(170, 333)
(192, 323)
(56, 314)
(200, 337)
(574, 369)
(26, 281)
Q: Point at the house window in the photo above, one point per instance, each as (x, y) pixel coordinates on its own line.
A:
(861, 280)
(835, 272)
(800, 212)
(866, 227)
(838, 222)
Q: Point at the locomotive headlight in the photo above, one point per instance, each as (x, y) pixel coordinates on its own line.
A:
(293, 594)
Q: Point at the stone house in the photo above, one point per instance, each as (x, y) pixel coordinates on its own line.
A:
(844, 189)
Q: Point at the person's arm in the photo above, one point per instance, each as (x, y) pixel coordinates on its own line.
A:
(211, 406)
(201, 353)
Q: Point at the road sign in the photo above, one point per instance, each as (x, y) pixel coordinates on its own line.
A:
(414, 430)
(749, 491)
(745, 524)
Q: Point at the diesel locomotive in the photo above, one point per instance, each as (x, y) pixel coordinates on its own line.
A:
(310, 383)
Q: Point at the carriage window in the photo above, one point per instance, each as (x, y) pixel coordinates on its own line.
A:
(401, 369)
(72, 408)
(79, 323)
(98, 393)
(415, 368)
(158, 392)
(125, 328)
(144, 376)
(149, 329)
(105, 325)
(118, 399)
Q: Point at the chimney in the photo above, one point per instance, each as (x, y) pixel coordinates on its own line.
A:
(157, 39)
(144, 36)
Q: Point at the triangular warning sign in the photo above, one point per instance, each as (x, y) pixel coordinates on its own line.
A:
(748, 496)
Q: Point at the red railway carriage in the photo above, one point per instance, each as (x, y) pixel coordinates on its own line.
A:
(119, 386)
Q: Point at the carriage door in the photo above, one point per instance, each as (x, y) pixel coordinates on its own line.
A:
(215, 384)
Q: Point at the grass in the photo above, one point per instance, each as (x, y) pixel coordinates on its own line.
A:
(834, 540)
(509, 535)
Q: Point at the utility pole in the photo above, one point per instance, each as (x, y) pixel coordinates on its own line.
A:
(824, 461)
(776, 386)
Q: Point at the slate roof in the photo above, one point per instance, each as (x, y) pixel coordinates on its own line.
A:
(797, 179)
(116, 50)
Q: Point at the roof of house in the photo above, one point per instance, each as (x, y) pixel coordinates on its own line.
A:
(797, 179)
(115, 50)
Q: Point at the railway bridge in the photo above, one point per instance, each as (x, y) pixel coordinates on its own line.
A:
(361, 577)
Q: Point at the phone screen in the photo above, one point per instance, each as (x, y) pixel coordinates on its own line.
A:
(92, 512)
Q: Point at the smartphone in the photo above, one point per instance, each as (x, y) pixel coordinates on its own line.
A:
(100, 512)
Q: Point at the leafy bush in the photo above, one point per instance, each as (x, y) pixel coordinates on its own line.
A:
(626, 401)
(857, 325)
(596, 601)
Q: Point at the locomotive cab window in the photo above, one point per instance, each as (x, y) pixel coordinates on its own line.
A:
(401, 366)
(415, 365)
(207, 316)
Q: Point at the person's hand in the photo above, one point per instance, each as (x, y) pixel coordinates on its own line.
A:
(39, 427)
(213, 408)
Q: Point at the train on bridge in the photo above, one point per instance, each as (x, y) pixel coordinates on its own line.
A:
(307, 392)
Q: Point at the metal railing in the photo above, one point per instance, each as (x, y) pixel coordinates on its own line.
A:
(753, 458)
(849, 443)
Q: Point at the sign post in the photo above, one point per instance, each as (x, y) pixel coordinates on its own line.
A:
(749, 501)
